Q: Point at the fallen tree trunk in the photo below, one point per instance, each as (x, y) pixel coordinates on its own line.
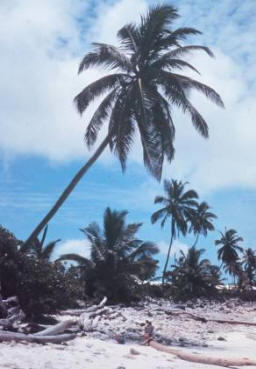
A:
(56, 329)
(10, 336)
(201, 358)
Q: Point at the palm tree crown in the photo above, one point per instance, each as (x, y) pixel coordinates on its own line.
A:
(228, 253)
(142, 86)
(201, 220)
(192, 275)
(178, 205)
(116, 254)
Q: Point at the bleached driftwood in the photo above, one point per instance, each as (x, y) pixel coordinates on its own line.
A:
(202, 359)
(88, 321)
(56, 329)
(11, 336)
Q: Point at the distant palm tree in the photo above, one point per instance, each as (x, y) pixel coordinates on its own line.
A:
(117, 257)
(178, 205)
(201, 221)
(139, 93)
(229, 252)
(249, 263)
(193, 276)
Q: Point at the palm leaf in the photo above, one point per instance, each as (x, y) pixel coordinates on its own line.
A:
(95, 89)
(106, 55)
(48, 249)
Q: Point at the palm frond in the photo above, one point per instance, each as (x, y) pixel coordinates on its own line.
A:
(98, 118)
(77, 258)
(44, 235)
(129, 37)
(106, 55)
(145, 249)
(168, 62)
(158, 214)
(209, 92)
(95, 89)
(187, 49)
(48, 249)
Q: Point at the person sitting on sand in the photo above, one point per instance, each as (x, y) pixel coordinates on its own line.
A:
(149, 330)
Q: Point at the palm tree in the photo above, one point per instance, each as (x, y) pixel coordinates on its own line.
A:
(249, 263)
(177, 205)
(139, 93)
(192, 276)
(41, 252)
(229, 252)
(201, 221)
(117, 257)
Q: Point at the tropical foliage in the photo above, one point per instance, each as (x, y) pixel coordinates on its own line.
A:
(118, 260)
(41, 251)
(249, 264)
(40, 285)
(192, 276)
(178, 205)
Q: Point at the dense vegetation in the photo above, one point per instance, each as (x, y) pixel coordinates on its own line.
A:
(121, 265)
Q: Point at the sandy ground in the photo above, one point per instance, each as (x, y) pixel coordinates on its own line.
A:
(93, 353)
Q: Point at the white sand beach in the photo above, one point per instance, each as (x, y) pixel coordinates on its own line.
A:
(212, 339)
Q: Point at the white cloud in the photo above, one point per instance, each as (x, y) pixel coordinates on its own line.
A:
(73, 246)
(41, 46)
(177, 246)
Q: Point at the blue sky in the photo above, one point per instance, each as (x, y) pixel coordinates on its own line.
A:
(41, 141)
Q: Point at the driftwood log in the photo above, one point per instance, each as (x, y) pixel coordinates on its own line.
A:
(12, 336)
(201, 358)
(13, 316)
(56, 329)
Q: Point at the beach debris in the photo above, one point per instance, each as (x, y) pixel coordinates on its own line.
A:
(134, 352)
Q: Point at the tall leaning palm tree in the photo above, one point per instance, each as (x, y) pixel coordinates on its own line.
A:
(178, 205)
(139, 92)
(201, 220)
(229, 251)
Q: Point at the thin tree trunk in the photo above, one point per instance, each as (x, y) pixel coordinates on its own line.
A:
(67, 191)
(167, 260)
(196, 240)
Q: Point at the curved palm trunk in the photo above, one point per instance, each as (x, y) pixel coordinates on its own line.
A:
(196, 240)
(68, 190)
(168, 255)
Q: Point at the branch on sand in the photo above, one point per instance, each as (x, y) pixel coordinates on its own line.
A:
(201, 358)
